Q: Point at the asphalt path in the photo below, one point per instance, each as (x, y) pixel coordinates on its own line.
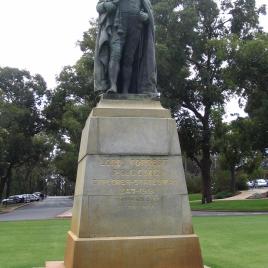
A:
(49, 208)
(225, 213)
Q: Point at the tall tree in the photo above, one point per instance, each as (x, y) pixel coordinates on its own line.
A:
(194, 44)
(69, 106)
(235, 147)
(249, 73)
(21, 95)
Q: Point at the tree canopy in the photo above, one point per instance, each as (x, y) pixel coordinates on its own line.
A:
(207, 52)
(21, 122)
(196, 42)
(69, 105)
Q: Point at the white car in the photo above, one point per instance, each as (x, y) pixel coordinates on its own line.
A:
(250, 184)
(260, 183)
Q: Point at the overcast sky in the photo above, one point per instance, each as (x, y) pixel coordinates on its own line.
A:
(41, 35)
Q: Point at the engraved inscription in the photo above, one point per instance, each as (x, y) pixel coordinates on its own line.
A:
(135, 182)
(111, 162)
(139, 182)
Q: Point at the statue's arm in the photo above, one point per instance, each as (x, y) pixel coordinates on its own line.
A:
(106, 6)
(144, 16)
(101, 7)
(143, 13)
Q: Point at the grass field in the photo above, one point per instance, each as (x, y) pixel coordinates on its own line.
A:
(234, 205)
(195, 197)
(234, 242)
(227, 242)
(30, 243)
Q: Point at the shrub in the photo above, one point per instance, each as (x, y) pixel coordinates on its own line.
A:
(222, 195)
(193, 184)
(221, 181)
(241, 183)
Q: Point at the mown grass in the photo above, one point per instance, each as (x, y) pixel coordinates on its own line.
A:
(195, 197)
(227, 242)
(233, 242)
(233, 205)
(27, 244)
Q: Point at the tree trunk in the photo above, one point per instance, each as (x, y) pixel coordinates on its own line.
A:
(233, 180)
(2, 186)
(206, 181)
(8, 183)
(3, 182)
(206, 162)
(27, 181)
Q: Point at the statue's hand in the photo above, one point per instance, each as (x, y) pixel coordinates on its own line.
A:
(144, 16)
(109, 6)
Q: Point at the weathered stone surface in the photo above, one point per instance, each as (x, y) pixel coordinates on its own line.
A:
(55, 264)
(131, 132)
(130, 106)
(131, 196)
(111, 175)
(131, 206)
(135, 215)
(127, 252)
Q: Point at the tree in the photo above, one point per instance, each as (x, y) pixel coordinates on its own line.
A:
(21, 95)
(194, 45)
(69, 106)
(31, 176)
(249, 71)
(235, 147)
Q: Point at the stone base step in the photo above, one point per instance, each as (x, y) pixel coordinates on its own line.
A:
(60, 264)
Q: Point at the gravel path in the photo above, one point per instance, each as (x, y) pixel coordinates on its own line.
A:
(246, 194)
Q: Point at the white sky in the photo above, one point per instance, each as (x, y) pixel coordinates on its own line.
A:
(41, 35)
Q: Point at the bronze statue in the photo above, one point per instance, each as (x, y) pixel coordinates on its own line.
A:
(125, 51)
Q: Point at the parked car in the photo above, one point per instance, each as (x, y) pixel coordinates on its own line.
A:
(40, 195)
(260, 183)
(20, 197)
(27, 198)
(16, 198)
(36, 197)
(32, 198)
(11, 200)
(250, 184)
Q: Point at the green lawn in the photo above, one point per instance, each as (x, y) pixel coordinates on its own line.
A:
(28, 244)
(195, 197)
(227, 242)
(233, 242)
(235, 205)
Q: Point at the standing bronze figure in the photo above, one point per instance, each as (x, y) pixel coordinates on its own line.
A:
(125, 49)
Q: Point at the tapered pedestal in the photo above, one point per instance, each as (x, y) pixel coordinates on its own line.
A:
(131, 207)
(145, 251)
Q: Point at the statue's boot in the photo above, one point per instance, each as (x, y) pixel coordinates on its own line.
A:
(112, 90)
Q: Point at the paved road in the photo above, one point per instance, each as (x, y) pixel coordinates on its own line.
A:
(54, 206)
(225, 213)
(46, 209)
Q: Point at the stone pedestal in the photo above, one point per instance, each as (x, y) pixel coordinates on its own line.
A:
(131, 207)
(55, 264)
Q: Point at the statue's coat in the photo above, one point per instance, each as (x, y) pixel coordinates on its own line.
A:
(144, 65)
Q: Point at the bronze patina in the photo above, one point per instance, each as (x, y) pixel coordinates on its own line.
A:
(125, 50)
